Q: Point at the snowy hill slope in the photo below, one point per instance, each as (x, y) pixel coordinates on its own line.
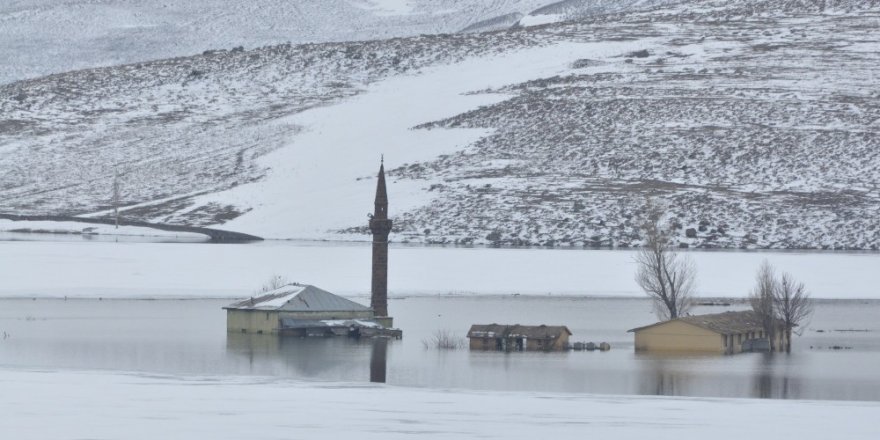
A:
(753, 126)
(180, 127)
(39, 37)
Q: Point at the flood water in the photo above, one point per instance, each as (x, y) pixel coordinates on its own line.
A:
(189, 337)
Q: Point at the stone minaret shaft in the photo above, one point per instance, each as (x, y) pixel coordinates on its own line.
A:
(380, 226)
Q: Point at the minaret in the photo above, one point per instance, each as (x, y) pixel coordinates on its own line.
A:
(380, 226)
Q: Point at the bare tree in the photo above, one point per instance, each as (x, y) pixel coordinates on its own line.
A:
(793, 306)
(274, 283)
(780, 301)
(762, 298)
(666, 277)
(444, 340)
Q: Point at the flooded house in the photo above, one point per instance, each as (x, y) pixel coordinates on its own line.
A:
(299, 309)
(518, 337)
(724, 333)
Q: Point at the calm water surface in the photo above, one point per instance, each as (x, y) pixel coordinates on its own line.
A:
(189, 337)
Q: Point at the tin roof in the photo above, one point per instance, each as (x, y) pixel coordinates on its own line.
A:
(290, 323)
(724, 323)
(516, 330)
(299, 298)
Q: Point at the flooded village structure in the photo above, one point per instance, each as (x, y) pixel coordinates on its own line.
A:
(305, 310)
(518, 337)
(301, 310)
(308, 311)
(723, 333)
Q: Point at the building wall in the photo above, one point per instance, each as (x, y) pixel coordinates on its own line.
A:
(482, 343)
(251, 321)
(262, 321)
(531, 344)
(561, 342)
(558, 344)
(678, 336)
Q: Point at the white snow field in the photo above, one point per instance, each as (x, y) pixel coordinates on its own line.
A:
(47, 405)
(172, 270)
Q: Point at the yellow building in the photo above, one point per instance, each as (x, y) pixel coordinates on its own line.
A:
(518, 337)
(298, 309)
(728, 332)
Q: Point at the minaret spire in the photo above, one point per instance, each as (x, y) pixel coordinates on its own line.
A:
(380, 226)
(381, 204)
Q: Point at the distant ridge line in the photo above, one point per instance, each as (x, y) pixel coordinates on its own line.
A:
(216, 235)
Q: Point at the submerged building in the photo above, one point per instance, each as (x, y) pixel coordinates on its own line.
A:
(305, 310)
(725, 333)
(518, 337)
(296, 308)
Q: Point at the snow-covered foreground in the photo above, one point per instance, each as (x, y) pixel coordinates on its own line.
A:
(111, 270)
(102, 405)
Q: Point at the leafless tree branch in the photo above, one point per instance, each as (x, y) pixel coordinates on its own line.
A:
(761, 298)
(666, 277)
(274, 283)
(793, 306)
(780, 301)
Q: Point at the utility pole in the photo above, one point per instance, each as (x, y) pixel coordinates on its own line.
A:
(116, 191)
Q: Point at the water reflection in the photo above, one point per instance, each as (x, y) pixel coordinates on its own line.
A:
(321, 358)
(768, 384)
(189, 337)
(671, 374)
(661, 380)
(379, 360)
(761, 375)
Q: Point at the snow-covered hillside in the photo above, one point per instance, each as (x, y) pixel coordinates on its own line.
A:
(752, 123)
(39, 37)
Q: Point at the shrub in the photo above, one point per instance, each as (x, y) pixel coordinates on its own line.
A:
(443, 340)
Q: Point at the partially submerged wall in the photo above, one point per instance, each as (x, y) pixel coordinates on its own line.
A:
(678, 336)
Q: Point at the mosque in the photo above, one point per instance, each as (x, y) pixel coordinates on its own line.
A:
(306, 310)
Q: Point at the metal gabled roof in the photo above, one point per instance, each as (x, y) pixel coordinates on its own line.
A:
(723, 323)
(299, 298)
(313, 299)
